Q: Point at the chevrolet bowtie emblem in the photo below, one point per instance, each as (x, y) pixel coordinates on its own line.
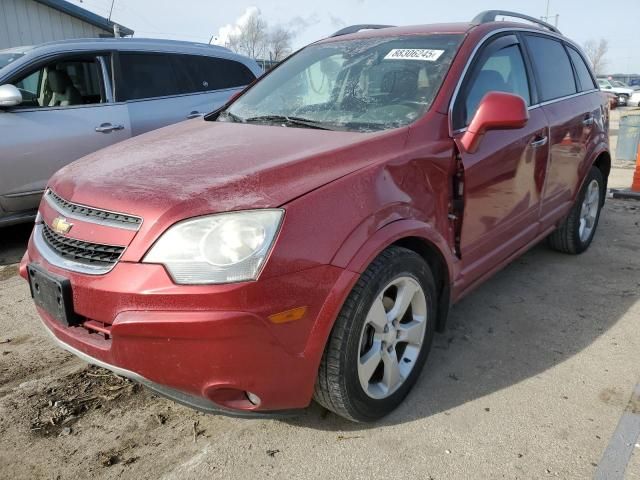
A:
(60, 225)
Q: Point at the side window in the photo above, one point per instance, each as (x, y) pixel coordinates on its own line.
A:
(62, 84)
(584, 76)
(552, 66)
(30, 84)
(203, 74)
(235, 74)
(502, 71)
(146, 75)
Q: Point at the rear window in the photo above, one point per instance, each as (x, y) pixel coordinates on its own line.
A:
(552, 66)
(584, 76)
(203, 74)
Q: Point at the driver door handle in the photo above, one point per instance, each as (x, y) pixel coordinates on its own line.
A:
(539, 141)
(108, 128)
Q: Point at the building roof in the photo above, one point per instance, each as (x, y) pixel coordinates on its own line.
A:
(85, 15)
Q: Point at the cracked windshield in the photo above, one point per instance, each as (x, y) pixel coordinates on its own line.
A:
(366, 85)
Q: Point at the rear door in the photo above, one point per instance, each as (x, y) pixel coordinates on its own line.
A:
(571, 116)
(504, 178)
(164, 88)
(67, 112)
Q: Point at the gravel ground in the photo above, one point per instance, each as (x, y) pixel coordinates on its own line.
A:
(529, 381)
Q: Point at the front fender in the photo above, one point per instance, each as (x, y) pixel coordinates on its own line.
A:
(359, 249)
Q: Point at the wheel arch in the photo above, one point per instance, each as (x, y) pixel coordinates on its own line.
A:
(436, 261)
(603, 163)
(414, 235)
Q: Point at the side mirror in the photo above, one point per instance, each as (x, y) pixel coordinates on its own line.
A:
(497, 111)
(10, 96)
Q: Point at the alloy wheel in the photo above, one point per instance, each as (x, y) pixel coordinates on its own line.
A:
(392, 337)
(589, 210)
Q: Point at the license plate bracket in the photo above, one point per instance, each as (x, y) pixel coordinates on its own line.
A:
(53, 294)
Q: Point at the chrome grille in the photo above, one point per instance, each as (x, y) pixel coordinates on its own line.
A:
(79, 251)
(91, 214)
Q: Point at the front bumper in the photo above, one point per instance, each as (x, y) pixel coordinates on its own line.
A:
(203, 346)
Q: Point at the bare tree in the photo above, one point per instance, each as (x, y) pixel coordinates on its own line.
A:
(252, 38)
(255, 39)
(597, 52)
(279, 43)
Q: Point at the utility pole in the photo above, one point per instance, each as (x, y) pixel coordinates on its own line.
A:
(114, 1)
(547, 16)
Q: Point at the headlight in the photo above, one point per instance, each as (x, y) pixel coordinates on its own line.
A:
(222, 248)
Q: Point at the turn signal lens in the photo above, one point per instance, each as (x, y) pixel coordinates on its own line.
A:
(289, 315)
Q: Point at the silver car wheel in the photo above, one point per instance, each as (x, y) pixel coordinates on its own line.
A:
(589, 210)
(392, 337)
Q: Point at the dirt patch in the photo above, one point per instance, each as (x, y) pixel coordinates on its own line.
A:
(612, 396)
(54, 410)
(8, 272)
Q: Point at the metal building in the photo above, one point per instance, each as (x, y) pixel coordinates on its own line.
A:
(30, 22)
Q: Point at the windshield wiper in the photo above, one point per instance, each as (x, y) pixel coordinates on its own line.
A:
(303, 122)
(220, 112)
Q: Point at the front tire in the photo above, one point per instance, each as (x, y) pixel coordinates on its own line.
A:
(576, 232)
(381, 338)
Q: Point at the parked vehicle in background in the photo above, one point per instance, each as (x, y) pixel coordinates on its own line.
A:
(307, 240)
(267, 65)
(62, 100)
(623, 93)
(621, 84)
(634, 101)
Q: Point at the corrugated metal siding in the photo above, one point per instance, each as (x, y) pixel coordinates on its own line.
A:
(25, 22)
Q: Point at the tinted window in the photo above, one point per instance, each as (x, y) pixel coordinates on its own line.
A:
(584, 76)
(202, 74)
(553, 69)
(503, 71)
(146, 76)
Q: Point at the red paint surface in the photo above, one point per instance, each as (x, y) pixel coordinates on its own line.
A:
(346, 196)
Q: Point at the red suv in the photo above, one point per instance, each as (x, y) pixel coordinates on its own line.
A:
(307, 240)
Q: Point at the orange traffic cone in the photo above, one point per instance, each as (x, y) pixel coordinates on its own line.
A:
(635, 186)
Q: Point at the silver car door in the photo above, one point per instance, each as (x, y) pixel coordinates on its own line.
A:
(38, 140)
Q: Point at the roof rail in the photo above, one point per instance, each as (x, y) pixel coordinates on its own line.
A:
(490, 16)
(357, 28)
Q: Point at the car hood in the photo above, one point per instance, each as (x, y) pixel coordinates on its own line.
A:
(200, 167)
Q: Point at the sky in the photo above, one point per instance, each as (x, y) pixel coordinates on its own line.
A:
(200, 20)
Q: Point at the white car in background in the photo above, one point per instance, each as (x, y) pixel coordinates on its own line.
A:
(624, 94)
(634, 100)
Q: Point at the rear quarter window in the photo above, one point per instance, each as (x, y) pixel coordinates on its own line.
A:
(584, 76)
(552, 67)
(202, 73)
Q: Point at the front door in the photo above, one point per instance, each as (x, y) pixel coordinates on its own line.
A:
(66, 114)
(504, 178)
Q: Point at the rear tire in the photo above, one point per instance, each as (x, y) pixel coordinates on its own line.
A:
(381, 338)
(575, 233)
